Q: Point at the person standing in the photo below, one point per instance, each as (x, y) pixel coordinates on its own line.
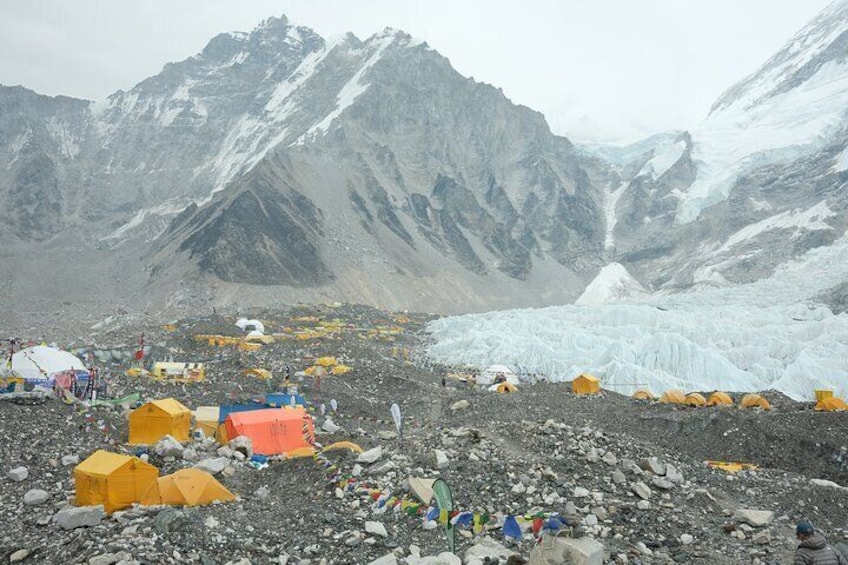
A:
(813, 548)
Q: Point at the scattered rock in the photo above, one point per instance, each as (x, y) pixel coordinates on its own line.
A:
(74, 517)
(18, 474)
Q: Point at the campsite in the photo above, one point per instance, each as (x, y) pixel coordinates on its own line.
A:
(628, 474)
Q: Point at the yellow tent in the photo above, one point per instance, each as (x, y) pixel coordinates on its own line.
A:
(643, 394)
(831, 404)
(673, 396)
(206, 418)
(340, 370)
(158, 418)
(260, 373)
(179, 372)
(695, 399)
(186, 487)
(719, 398)
(113, 480)
(585, 384)
(755, 401)
(503, 388)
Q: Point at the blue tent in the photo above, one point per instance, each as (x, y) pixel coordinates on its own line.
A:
(280, 399)
(227, 409)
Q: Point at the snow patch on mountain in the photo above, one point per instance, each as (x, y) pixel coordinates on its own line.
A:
(613, 284)
(664, 158)
(810, 220)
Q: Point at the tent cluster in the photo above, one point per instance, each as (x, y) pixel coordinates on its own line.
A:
(40, 366)
(117, 481)
(326, 365)
(826, 402)
(696, 399)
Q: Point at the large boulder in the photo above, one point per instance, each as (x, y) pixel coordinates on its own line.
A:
(485, 551)
(755, 518)
(74, 517)
(571, 551)
(168, 446)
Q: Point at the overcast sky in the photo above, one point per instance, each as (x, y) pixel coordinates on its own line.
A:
(597, 69)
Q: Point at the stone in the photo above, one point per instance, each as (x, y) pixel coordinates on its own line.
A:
(441, 460)
(381, 468)
(213, 465)
(618, 477)
(641, 490)
(686, 539)
(74, 517)
(827, 484)
(387, 435)
(486, 551)
(609, 458)
(70, 460)
(574, 551)
(643, 505)
(107, 558)
(371, 455)
(35, 497)
(672, 473)
(169, 520)
(376, 528)
(460, 405)
(168, 446)
(756, 518)
(421, 488)
(662, 483)
(329, 426)
(580, 492)
(762, 537)
(18, 474)
(19, 555)
(241, 444)
(444, 558)
(653, 465)
(387, 559)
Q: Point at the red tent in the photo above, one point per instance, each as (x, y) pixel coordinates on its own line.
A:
(273, 431)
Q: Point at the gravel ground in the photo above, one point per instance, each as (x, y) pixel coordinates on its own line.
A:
(541, 449)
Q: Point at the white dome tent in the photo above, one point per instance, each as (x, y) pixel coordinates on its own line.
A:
(40, 363)
(250, 325)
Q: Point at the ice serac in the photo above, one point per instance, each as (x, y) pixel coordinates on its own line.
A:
(612, 284)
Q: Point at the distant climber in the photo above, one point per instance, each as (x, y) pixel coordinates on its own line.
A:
(813, 548)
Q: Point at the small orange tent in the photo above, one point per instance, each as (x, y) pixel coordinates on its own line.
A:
(274, 430)
(585, 384)
(643, 394)
(113, 480)
(503, 388)
(831, 404)
(158, 418)
(673, 396)
(755, 401)
(719, 398)
(186, 487)
(695, 399)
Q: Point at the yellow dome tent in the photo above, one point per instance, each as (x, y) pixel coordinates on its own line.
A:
(186, 487)
(113, 480)
(343, 445)
(755, 401)
(831, 404)
(259, 373)
(643, 394)
(585, 384)
(326, 361)
(719, 398)
(673, 396)
(158, 418)
(695, 399)
(503, 388)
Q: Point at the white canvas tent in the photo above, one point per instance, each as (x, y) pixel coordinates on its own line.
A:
(493, 373)
(41, 362)
(248, 325)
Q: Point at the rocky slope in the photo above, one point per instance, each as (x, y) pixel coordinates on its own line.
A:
(629, 475)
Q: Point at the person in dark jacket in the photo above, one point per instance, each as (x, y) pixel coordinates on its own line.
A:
(813, 548)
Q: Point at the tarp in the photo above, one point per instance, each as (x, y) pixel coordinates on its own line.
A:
(719, 398)
(343, 445)
(695, 399)
(280, 399)
(585, 384)
(40, 363)
(755, 401)
(186, 487)
(156, 419)
(113, 480)
(494, 373)
(326, 361)
(422, 488)
(274, 430)
(673, 396)
(260, 373)
(831, 404)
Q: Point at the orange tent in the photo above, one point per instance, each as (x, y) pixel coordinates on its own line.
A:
(186, 487)
(695, 399)
(273, 431)
(158, 418)
(719, 398)
(673, 396)
(585, 384)
(755, 401)
(643, 394)
(113, 480)
(831, 404)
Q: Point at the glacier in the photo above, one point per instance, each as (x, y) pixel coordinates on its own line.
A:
(768, 335)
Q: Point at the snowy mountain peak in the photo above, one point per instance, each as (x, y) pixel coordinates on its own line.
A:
(613, 284)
